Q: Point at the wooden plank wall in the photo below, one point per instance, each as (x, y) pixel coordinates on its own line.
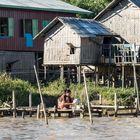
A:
(91, 50)
(56, 50)
(124, 19)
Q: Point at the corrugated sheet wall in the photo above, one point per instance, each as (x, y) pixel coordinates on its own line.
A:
(17, 43)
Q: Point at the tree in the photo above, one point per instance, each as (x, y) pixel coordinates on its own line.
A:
(94, 6)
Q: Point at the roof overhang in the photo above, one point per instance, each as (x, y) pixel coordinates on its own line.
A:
(112, 4)
(46, 9)
(57, 20)
(47, 28)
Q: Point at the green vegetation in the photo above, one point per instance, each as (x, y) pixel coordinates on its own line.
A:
(54, 89)
(92, 5)
(22, 89)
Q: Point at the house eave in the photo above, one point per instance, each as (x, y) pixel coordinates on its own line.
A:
(46, 9)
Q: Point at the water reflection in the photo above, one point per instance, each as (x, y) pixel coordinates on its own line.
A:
(70, 129)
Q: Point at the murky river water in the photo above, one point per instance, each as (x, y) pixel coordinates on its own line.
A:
(70, 129)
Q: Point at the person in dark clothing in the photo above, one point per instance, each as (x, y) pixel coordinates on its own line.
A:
(65, 100)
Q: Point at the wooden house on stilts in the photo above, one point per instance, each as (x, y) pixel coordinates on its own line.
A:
(71, 43)
(123, 17)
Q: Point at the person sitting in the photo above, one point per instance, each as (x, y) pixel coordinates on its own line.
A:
(65, 100)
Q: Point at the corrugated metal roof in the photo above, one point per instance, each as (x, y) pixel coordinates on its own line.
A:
(47, 5)
(83, 27)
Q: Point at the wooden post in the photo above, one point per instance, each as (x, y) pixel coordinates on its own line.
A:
(122, 75)
(54, 111)
(30, 104)
(69, 80)
(62, 72)
(103, 79)
(136, 107)
(23, 114)
(14, 104)
(38, 111)
(123, 60)
(41, 97)
(135, 78)
(79, 74)
(109, 66)
(100, 99)
(86, 91)
(115, 104)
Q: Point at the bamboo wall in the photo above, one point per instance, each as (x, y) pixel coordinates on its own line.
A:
(124, 19)
(22, 68)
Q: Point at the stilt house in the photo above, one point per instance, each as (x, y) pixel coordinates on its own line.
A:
(72, 41)
(123, 17)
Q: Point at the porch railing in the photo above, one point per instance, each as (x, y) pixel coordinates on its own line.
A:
(120, 53)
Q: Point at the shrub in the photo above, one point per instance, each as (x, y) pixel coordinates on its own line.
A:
(55, 89)
(22, 89)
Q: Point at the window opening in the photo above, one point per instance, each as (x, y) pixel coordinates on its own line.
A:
(3, 26)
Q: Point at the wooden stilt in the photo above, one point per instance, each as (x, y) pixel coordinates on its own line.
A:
(62, 72)
(109, 66)
(45, 73)
(135, 78)
(123, 75)
(97, 76)
(103, 79)
(79, 74)
(69, 80)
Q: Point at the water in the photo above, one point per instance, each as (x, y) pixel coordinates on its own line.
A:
(70, 129)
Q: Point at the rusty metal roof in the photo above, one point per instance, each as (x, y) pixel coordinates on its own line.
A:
(83, 27)
(46, 5)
